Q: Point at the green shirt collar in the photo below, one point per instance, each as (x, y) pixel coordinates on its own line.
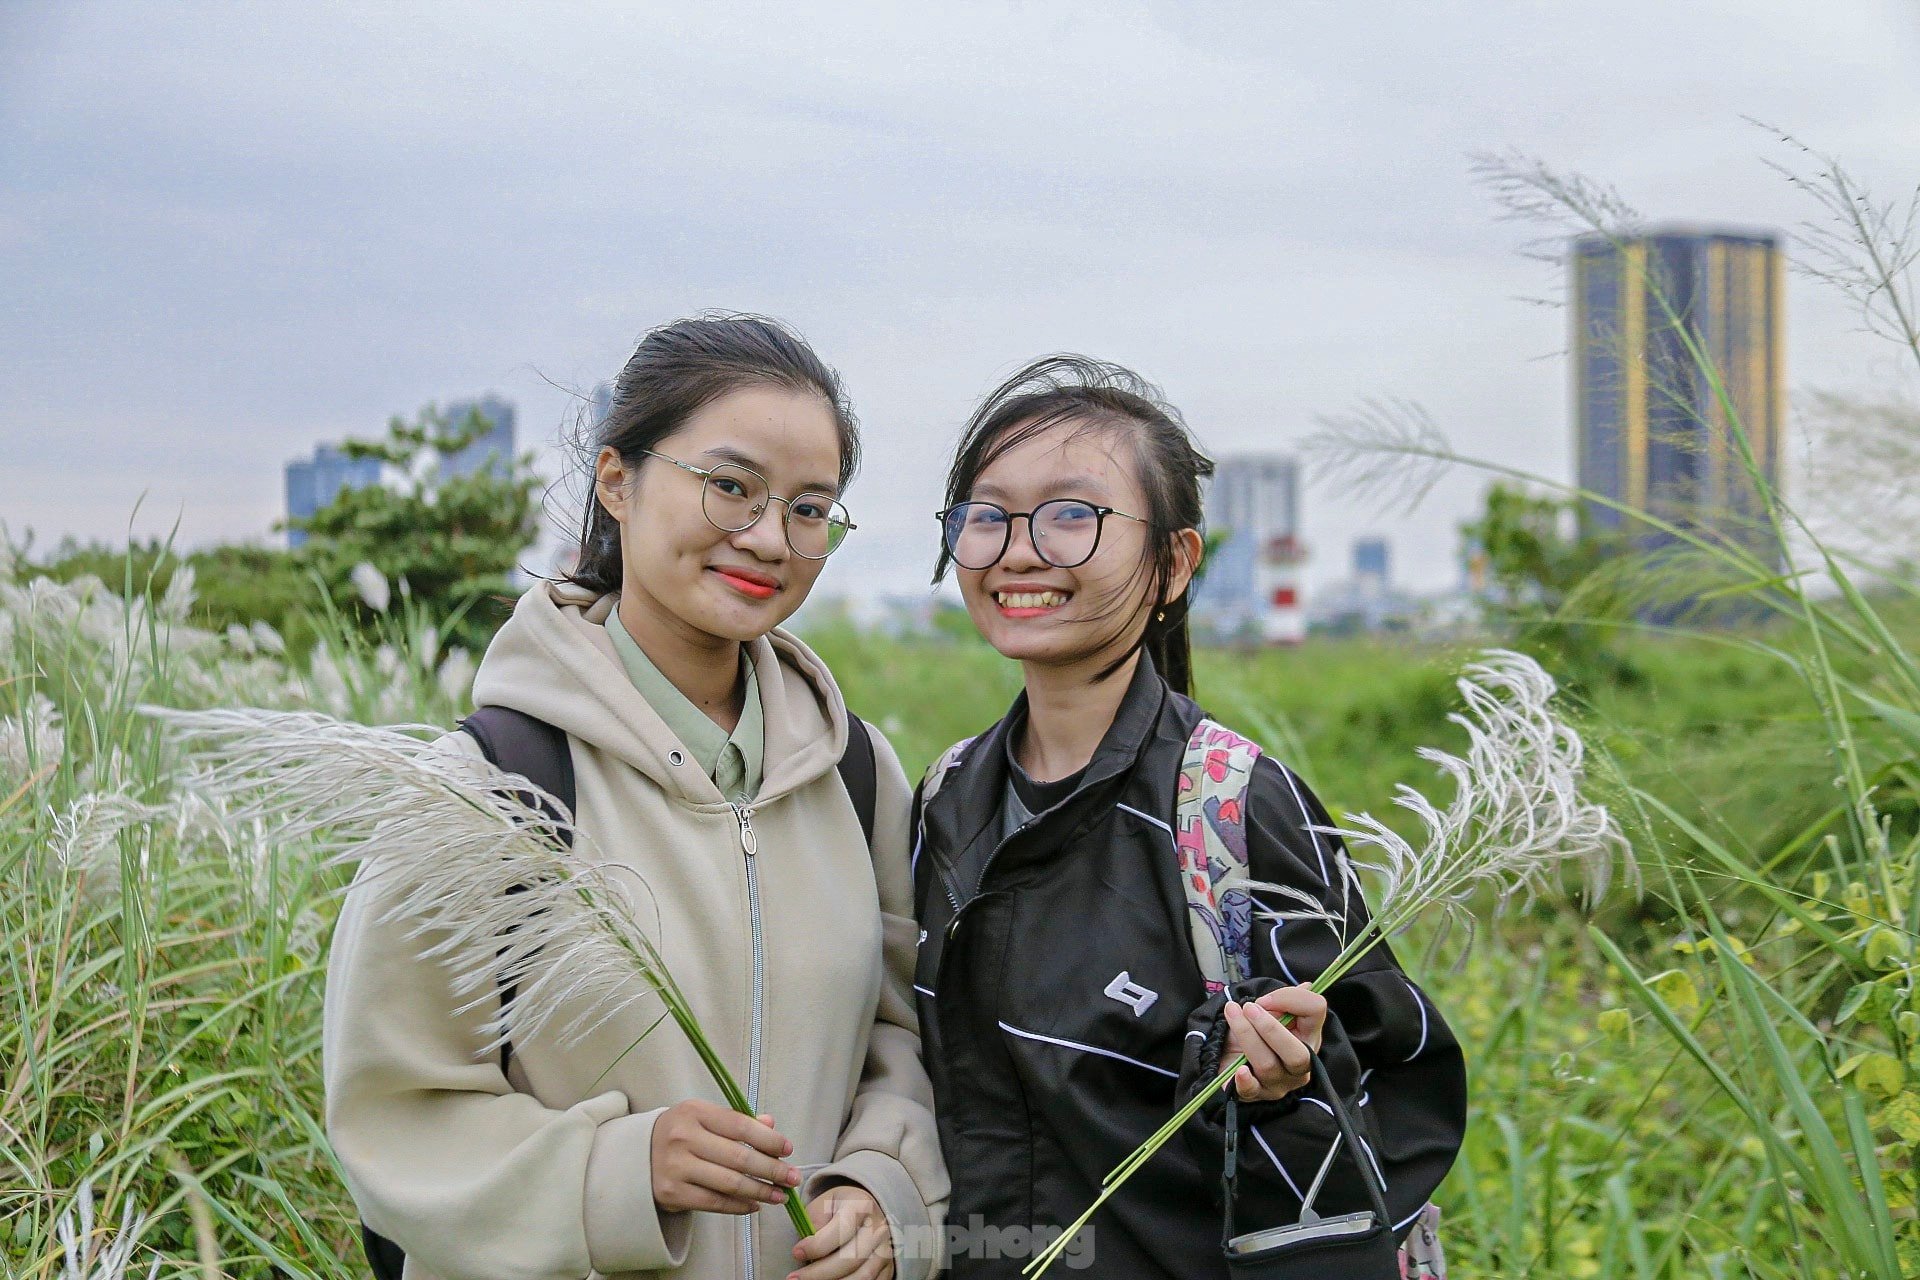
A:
(733, 761)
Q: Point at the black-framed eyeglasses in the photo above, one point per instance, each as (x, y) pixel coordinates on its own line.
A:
(1065, 531)
(733, 497)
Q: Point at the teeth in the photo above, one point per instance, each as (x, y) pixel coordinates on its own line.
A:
(1030, 599)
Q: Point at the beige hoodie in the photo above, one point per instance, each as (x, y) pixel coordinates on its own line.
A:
(551, 1175)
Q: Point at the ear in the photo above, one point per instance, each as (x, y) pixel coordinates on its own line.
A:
(612, 480)
(1188, 550)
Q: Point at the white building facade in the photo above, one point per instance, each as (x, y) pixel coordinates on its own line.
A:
(1250, 588)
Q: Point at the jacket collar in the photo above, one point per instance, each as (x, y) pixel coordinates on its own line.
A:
(554, 660)
(967, 808)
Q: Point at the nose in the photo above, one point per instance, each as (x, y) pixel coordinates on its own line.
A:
(1021, 553)
(766, 538)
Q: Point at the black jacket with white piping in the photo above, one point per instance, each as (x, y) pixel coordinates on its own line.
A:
(1064, 1017)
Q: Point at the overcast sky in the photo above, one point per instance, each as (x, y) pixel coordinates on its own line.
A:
(230, 231)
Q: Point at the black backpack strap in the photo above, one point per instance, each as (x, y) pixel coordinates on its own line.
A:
(858, 774)
(527, 745)
(387, 1260)
(516, 742)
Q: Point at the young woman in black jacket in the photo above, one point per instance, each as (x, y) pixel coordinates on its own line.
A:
(1064, 1015)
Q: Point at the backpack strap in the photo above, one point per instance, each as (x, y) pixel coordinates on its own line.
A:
(1210, 840)
(1210, 834)
(516, 742)
(859, 775)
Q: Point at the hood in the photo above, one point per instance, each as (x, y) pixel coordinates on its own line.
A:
(553, 659)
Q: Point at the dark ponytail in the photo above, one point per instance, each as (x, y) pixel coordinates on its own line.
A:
(677, 370)
(1096, 395)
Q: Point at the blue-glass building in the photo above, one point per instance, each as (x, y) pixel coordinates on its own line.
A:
(1372, 560)
(492, 450)
(314, 482)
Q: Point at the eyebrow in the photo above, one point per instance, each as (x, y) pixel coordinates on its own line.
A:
(1085, 481)
(725, 453)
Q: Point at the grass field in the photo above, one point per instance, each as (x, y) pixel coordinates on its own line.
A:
(1718, 1081)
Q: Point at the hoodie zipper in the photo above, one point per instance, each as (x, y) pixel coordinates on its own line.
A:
(750, 846)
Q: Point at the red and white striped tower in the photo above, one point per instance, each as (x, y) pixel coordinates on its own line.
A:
(1283, 620)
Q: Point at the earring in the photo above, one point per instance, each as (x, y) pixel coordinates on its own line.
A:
(1160, 616)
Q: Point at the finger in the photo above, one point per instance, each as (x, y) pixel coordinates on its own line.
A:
(714, 1149)
(1245, 1038)
(842, 1225)
(754, 1131)
(728, 1181)
(1307, 1007)
(870, 1253)
(882, 1244)
(875, 1248)
(703, 1200)
(1286, 1046)
(1246, 1086)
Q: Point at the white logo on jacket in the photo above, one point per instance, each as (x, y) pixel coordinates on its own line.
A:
(1130, 993)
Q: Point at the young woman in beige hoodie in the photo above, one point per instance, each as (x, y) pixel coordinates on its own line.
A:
(704, 743)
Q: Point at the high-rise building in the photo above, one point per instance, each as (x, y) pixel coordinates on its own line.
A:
(1652, 430)
(1372, 562)
(314, 482)
(493, 450)
(1251, 584)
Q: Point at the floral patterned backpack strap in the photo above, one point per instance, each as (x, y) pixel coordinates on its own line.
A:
(1210, 838)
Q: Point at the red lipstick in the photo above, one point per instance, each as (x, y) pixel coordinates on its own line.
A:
(757, 586)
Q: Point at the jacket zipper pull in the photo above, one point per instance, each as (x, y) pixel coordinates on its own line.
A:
(749, 843)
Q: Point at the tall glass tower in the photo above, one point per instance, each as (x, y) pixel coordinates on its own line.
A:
(1653, 430)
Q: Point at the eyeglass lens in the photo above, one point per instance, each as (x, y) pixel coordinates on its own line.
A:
(1065, 532)
(733, 498)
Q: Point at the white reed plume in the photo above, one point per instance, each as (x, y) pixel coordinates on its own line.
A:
(1517, 815)
(31, 740)
(107, 1257)
(481, 879)
(1516, 819)
(372, 586)
(476, 869)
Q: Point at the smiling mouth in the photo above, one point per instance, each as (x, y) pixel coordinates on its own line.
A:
(1026, 602)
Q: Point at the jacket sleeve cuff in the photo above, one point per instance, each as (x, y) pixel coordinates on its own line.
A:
(916, 1252)
(626, 1231)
